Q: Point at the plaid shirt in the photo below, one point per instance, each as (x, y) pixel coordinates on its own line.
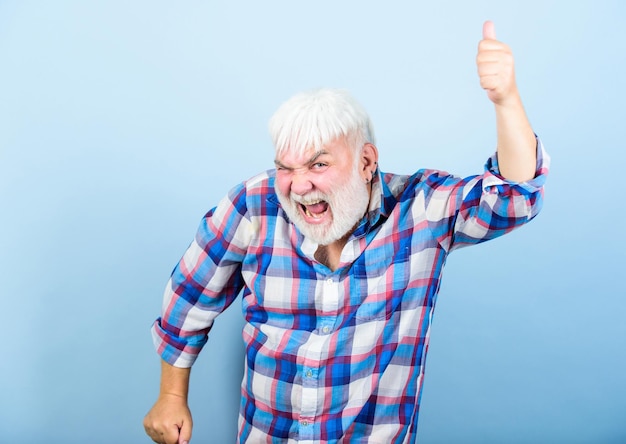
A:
(334, 356)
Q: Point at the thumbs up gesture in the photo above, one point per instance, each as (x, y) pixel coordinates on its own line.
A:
(495, 67)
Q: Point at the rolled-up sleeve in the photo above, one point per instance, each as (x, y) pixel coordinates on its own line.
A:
(493, 178)
(471, 210)
(493, 205)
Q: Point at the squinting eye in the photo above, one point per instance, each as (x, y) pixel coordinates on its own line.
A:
(319, 165)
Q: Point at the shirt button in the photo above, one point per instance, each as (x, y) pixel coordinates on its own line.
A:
(325, 329)
(304, 423)
(329, 281)
(309, 373)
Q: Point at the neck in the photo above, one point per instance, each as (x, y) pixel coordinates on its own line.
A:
(330, 254)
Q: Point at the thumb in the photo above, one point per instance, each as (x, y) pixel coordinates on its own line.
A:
(489, 30)
(185, 433)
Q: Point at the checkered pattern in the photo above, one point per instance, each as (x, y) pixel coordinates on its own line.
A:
(334, 356)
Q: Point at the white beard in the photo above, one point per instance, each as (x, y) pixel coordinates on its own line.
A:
(347, 204)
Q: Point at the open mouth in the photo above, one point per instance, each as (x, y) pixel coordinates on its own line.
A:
(315, 210)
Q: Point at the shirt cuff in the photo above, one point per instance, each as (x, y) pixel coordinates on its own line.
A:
(493, 177)
(173, 350)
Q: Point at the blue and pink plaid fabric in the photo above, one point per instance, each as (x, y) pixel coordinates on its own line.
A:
(334, 356)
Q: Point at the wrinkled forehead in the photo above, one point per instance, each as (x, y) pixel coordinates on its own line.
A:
(308, 142)
(339, 147)
(296, 159)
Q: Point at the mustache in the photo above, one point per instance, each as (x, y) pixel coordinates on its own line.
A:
(309, 198)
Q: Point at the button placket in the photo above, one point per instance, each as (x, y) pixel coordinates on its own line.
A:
(330, 304)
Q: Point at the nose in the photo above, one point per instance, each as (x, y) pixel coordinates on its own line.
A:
(300, 183)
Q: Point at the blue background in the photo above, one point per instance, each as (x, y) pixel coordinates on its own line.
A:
(122, 122)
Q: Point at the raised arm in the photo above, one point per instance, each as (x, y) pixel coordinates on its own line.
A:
(515, 138)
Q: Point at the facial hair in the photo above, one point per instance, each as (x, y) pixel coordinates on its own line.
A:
(347, 204)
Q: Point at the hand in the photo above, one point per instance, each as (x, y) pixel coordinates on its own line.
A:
(169, 421)
(495, 67)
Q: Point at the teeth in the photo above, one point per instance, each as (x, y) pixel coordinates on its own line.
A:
(314, 216)
(311, 202)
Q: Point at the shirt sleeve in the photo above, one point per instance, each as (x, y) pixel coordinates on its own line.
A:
(205, 281)
(468, 211)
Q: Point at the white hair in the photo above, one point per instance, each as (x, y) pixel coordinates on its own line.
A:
(314, 118)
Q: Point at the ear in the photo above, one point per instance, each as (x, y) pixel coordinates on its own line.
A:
(369, 161)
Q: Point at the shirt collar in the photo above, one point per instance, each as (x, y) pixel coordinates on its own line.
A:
(381, 204)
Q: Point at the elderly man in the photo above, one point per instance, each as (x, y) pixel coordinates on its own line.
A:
(339, 265)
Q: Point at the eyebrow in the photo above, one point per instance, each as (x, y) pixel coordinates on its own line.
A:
(311, 161)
